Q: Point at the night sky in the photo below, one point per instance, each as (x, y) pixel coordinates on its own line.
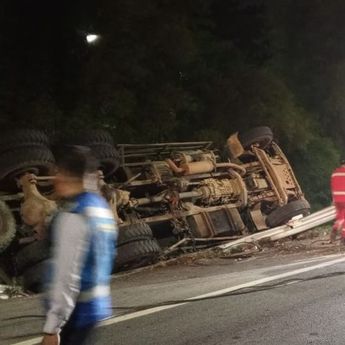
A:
(181, 70)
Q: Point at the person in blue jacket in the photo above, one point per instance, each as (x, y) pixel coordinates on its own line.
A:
(84, 236)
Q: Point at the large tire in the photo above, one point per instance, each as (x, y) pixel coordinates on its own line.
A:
(102, 145)
(33, 277)
(7, 226)
(137, 254)
(38, 160)
(262, 136)
(134, 232)
(22, 138)
(283, 214)
(31, 254)
(108, 158)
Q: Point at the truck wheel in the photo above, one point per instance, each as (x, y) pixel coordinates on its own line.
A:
(7, 226)
(262, 136)
(33, 277)
(283, 214)
(101, 143)
(22, 138)
(32, 254)
(15, 162)
(108, 157)
(137, 254)
(134, 232)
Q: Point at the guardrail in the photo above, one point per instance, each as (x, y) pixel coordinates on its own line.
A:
(292, 228)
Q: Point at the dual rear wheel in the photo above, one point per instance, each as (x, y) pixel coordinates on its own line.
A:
(21, 151)
(136, 247)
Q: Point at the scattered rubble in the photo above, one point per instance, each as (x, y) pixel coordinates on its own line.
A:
(11, 291)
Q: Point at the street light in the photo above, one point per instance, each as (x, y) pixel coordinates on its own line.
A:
(92, 38)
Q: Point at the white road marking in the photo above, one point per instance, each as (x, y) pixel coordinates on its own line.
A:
(300, 262)
(130, 316)
(270, 268)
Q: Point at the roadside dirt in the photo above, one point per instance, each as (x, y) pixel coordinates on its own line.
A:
(314, 242)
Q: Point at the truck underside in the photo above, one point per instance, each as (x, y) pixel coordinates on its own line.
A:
(162, 195)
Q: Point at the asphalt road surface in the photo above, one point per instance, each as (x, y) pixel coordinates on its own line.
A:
(285, 300)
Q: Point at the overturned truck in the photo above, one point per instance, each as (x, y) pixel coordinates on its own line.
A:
(166, 195)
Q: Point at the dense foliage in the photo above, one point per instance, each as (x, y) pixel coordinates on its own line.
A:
(182, 70)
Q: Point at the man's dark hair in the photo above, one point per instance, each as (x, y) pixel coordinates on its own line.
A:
(342, 161)
(76, 160)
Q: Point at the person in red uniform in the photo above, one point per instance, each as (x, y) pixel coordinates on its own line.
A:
(338, 196)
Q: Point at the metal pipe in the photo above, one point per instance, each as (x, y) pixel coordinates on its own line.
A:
(197, 239)
(129, 181)
(174, 167)
(191, 168)
(233, 166)
(187, 143)
(44, 178)
(160, 198)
